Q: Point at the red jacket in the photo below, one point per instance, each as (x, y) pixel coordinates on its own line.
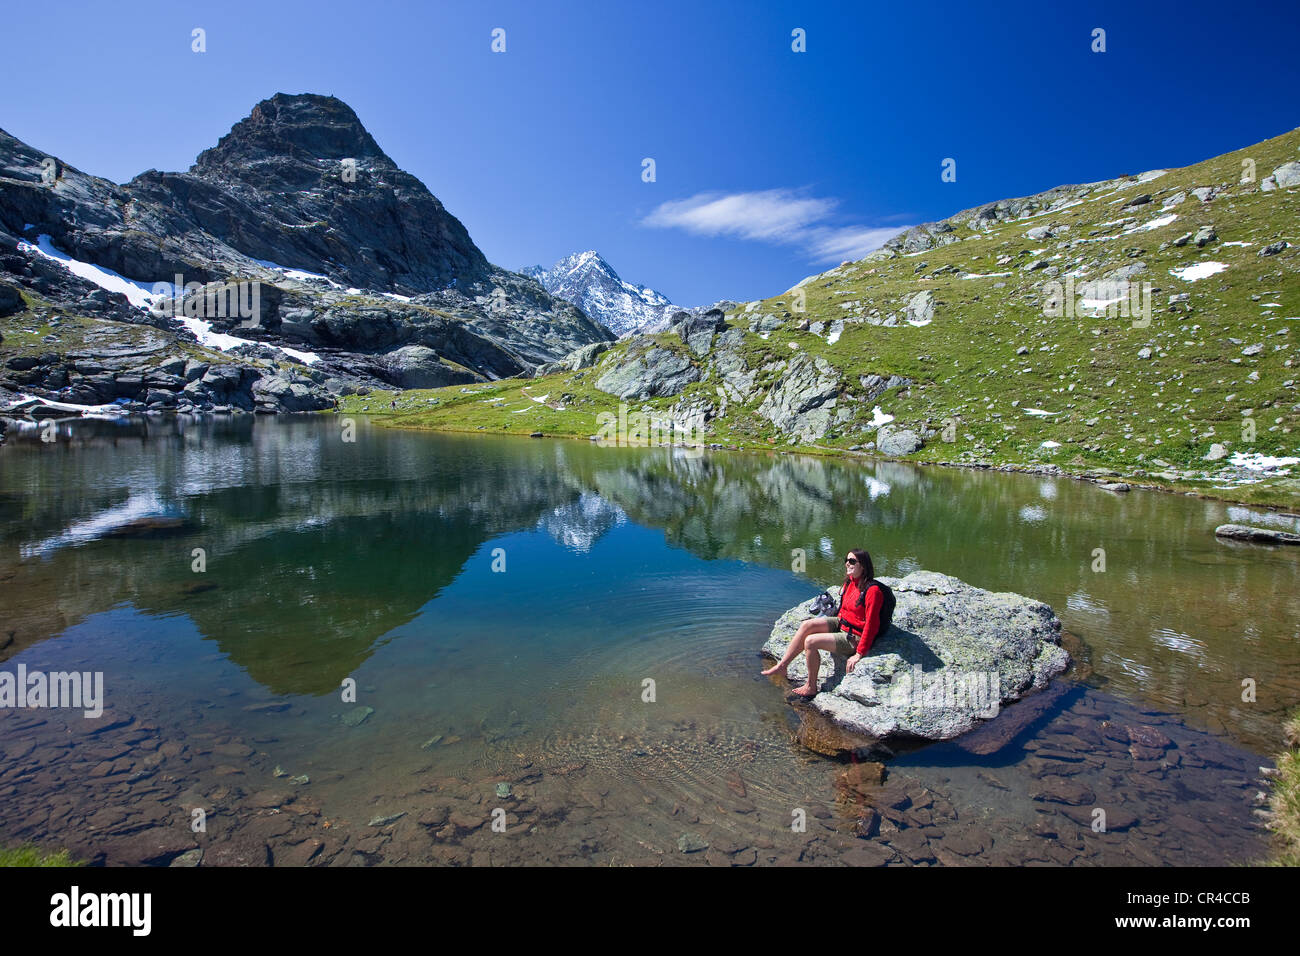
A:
(862, 621)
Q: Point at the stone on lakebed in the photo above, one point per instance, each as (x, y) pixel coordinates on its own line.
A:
(954, 655)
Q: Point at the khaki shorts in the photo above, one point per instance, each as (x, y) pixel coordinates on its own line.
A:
(846, 645)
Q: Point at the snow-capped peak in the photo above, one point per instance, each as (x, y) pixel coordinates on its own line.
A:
(590, 283)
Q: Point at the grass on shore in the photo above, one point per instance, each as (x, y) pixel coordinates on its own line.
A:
(1284, 803)
(28, 856)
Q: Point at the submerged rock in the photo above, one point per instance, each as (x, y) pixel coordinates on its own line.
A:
(357, 716)
(954, 655)
(691, 843)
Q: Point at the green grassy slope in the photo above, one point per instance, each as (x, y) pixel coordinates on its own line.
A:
(1152, 418)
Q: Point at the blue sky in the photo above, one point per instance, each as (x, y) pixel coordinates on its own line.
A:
(770, 164)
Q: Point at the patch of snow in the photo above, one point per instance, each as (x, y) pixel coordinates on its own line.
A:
(1050, 444)
(1039, 411)
(387, 295)
(1153, 224)
(879, 418)
(1099, 303)
(1199, 270)
(139, 294)
(985, 275)
(1261, 462)
(1236, 243)
(290, 272)
(306, 358)
(919, 322)
(224, 341)
(834, 335)
(111, 410)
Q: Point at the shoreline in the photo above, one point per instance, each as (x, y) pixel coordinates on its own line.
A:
(1284, 503)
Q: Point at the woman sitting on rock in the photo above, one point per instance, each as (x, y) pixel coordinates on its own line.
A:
(849, 634)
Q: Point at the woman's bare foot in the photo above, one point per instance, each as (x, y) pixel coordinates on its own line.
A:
(805, 691)
(775, 669)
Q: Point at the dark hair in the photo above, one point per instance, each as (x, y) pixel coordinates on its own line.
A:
(868, 573)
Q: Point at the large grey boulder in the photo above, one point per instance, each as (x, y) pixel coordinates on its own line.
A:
(897, 442)
(877, 385)
(1242, 532)
(646, 370)
(10, 301)
(275, 393)
(1288, 174)
(418, 366)
(954, 655)
(578, 359)
(920, 308)
(803, 401)
(697, 331)
(736, 377)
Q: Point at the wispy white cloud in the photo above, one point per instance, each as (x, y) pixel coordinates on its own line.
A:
(848, 242)
(771, 215)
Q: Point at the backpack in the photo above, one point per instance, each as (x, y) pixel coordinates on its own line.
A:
(887, 604)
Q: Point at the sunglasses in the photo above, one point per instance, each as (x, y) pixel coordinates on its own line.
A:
(850, 560)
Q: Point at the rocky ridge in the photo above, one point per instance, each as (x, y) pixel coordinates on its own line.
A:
(356, 263)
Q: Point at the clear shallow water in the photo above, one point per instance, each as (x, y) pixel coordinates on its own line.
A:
(373, 561)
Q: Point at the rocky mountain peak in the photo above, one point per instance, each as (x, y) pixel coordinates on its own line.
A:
(299, 182)
(589, 282)
(307, 124)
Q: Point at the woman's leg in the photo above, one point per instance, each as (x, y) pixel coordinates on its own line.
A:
(815, 625)
(815, 644)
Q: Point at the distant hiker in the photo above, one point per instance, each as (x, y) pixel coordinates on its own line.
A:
(393, 403)
(848, 634)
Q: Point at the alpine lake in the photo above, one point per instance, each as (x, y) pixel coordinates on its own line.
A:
(427, 649)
